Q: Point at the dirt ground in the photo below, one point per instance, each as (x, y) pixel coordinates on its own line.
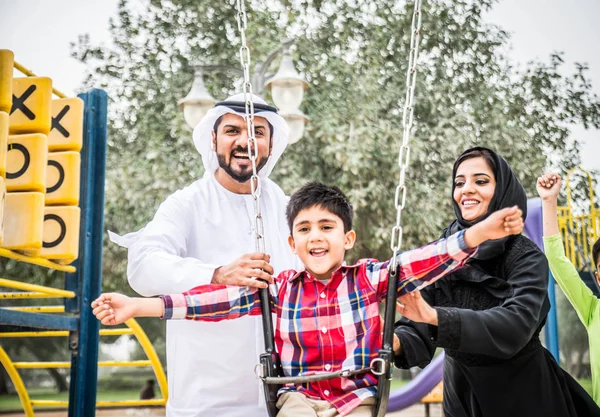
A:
(414, 411)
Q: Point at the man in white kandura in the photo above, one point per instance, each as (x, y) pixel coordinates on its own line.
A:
(203, 234)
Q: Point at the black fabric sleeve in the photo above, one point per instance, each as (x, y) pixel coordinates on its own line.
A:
(415, 339)
(501, 331)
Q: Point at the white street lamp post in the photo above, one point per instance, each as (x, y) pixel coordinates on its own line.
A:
(197, 102)
(296, 121)
(287, 88)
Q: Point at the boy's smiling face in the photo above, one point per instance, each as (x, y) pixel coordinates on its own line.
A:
(318, 238)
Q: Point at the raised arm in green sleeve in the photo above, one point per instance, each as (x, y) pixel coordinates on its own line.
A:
(578, 294)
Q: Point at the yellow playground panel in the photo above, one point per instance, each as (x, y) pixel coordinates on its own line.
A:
(67, 125)
(31, 106)
(40, 172)
(30, 169)
(579, 231)
(62, 178)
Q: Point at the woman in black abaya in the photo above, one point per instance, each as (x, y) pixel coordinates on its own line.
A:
(488, 315)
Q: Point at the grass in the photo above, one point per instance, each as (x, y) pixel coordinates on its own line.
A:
(13, 403)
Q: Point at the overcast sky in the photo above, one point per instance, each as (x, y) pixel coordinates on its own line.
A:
(39, 33)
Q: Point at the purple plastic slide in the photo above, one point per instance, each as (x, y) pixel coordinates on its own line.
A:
(418, 387)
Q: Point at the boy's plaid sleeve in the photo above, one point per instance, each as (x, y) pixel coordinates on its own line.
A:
(212, 303)
(217, 302)
(423, 266)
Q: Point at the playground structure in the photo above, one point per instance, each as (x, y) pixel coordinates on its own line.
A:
(580, 231)
(43, 138)
(83, 277)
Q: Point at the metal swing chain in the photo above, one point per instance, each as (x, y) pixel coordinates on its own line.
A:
(252, 145)
(407, 122)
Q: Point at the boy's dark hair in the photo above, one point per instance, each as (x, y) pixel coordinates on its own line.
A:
(317, 194)
(596, 252)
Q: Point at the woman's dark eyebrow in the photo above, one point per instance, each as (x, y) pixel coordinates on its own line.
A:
(474, 175)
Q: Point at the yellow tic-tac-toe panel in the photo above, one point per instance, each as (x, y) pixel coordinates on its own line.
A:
(7, 60)
(66, 132)
(26, 163)
(62, 178)
(2, 198)
(23, 220)
(3, 142)
(61, 233)
(31, 105)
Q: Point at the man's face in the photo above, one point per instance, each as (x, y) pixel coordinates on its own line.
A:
(231, 145)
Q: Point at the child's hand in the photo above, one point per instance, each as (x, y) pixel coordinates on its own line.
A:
(501, 223)
(548, 186)
(415, 308)
(113, 308)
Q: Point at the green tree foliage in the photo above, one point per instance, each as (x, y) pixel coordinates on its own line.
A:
(354, 55)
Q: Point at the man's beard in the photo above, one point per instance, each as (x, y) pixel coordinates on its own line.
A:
(237, 176)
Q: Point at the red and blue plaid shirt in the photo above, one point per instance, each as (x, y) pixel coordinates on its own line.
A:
(329, 327)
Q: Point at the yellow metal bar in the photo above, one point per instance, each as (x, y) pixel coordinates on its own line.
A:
(31, 74)
(38, 309)
(25, 295)
(18, 285)
(54, 365)
(115, 332)
(49, 403)
(124, 403)
(64, 333)
(17, 382)
(151, 354)
(36, 261)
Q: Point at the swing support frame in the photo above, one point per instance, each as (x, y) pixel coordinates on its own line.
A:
(269, 369)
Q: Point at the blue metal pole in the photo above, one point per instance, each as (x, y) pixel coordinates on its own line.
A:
(551, 328)
(84, 342)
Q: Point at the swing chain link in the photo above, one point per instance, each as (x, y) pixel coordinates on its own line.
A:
(407, 123)
(255, 184)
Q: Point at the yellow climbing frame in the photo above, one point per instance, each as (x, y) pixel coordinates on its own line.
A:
(31, 291)
(132, 328)
(579, 231)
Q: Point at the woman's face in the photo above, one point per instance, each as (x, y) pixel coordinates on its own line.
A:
(474, 187)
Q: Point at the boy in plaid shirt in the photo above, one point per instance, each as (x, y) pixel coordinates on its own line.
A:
(327, 314)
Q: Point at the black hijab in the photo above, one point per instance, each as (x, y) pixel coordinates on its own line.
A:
(508, 192)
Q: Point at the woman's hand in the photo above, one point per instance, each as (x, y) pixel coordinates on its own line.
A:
(548, 186)
(396, 346)
(415, 308)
